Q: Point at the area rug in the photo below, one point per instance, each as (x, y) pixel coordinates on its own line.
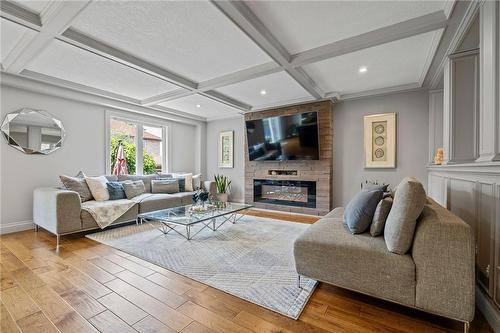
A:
(252, 259)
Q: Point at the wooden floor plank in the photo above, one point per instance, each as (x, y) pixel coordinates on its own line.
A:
(37, 323)
(170, 317)
(211, 319)
(108, 322)
(152, 325)
(106, 265)
(213, 304)
(18, 303)
(124, 309)
(7, 323)
(157, 291)
(90, 269)
(85, 305)
(174, 285)
(196, 327)
(129, 265)
(86, 283)
(256, 324)
(6, 278)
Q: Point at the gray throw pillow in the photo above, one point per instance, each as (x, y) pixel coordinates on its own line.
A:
(380, 216)
(77, 184)
(168, 186)
(146, 179)
(133, 188)
(359, 211)
(409, 201)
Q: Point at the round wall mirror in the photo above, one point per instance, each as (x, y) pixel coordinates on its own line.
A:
(33, 131)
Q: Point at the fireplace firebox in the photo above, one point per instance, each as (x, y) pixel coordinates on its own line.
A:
(297, 193)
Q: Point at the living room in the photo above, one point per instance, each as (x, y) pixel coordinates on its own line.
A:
(250, 166)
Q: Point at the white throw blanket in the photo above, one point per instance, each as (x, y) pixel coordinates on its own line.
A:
(107, 212)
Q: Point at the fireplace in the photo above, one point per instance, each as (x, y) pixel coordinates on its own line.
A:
(297, 193)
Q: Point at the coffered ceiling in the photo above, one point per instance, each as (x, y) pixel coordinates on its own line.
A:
(215, 59)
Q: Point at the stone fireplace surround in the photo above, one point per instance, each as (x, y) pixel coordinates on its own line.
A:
(318, 171)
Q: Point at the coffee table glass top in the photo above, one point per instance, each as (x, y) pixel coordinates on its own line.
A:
(183, 215)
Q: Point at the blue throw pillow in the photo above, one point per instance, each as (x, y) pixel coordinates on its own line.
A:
(116, 191)
(359, 211)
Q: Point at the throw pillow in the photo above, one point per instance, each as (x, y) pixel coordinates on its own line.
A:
(133, 188)
(380, 216)
(359, 211)
(77, 184)
(197, 182)
(409, 201)
(146, 179)
(98, 187)
(168, 186)
(116, 191)
(185, 182)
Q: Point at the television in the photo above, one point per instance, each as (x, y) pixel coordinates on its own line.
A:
(282, 138)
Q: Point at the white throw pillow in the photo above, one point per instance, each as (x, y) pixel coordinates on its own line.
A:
(98, 187)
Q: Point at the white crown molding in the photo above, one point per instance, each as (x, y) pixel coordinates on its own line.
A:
(405, 29)
(63, 91)
(377, 92)
(232, 116)
(283, 103)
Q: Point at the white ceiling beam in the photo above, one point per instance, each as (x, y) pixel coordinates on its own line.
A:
(405, 29)
(217, 96)
(248, 22)
(15, 13)
(222, 81)
(55, 20)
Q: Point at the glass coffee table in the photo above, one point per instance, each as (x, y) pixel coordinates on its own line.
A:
(186, 217)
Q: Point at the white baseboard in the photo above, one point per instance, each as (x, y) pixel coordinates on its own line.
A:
(11, 227)
(488, 310)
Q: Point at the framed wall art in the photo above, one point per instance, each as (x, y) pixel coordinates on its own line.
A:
(380, 140)
(226, 149)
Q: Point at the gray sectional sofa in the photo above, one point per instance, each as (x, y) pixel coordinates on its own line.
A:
(60, 212)
(436, 275)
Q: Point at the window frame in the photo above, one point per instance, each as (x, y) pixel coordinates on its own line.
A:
(140, 121)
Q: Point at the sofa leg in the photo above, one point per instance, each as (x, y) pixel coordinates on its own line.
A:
(298, 281)
(466, 327)
(36, 227)
(58, 239)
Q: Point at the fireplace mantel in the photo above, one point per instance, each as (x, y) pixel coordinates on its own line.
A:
(320, 172)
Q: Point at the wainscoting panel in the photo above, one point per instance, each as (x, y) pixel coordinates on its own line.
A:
(472, 192)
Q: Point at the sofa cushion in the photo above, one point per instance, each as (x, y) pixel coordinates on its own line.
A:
(133, 188)
(326, 251)
(146, 179)
(359, 211)
(88, 221)
(380, 216)
(116, 190)
(159, 201)
(98, 187)
(78, 185)
(164, 186)
(409, 201)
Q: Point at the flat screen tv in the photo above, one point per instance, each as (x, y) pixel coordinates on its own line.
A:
(282, 138)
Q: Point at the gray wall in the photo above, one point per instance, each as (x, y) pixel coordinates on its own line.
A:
(84, 150)
(412, 144)
(412, 141)
(236, 174)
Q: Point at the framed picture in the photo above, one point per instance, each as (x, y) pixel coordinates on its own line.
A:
(226, 149)
(380, 140)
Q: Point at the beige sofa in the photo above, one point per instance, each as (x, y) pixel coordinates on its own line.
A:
(60, 212)
(436, 275)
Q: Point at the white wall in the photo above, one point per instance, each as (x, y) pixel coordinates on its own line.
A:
(236, 174)
(84, 149)
(411, 110)
(412, 144)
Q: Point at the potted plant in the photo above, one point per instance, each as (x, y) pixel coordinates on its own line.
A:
(222, 184)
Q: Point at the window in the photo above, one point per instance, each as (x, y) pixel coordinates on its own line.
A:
(143, 145)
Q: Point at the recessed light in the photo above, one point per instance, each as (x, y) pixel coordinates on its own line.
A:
(198, 105)
(363, 69)
(263, 92)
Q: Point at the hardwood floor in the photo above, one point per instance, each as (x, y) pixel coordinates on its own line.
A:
(90, 287)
